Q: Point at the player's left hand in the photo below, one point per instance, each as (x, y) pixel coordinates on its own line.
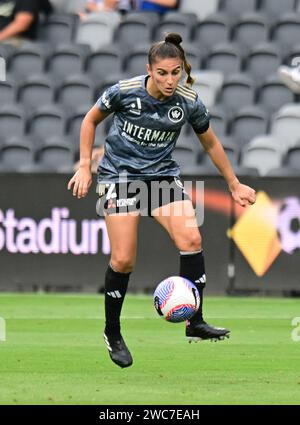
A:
(243, 195)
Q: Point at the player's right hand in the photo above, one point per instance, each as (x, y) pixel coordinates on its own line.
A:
(82, 181)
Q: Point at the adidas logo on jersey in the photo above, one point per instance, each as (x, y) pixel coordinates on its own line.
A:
(201, 279)
(114, 294)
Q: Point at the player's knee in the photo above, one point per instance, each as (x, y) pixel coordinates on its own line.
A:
(122, 264)
(190, 243)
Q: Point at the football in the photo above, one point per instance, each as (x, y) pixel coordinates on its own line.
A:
(176, 299)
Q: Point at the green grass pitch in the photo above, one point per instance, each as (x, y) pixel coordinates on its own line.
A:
(54, 353)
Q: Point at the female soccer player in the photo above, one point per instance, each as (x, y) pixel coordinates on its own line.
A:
(149, 112)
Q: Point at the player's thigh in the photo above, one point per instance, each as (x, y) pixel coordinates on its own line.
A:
(122, 231)
(179, 219)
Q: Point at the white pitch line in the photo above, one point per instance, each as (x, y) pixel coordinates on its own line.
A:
(143, 317)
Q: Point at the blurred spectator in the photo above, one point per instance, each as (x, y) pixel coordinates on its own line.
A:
(160, 6)
(19, 19)
(96, 6)
(290, 76)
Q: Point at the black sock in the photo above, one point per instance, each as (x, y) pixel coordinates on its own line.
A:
(115, 290)
(192, 267)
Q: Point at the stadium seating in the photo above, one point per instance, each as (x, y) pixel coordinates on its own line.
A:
(17, 155)
(135, 62)
(36, 90)
(211, 31)
(133, 28)
(55, 154)
(273, 94)
(59, 28)
(184, 156)
(201, 8)
(100, 63)
(250, 30)
(237, 91)
(183, 23)
(67, 59)
(234, 46)
(224, 57)
(76, 90)
(27, 60)
(287, 28)
(7, 91)
(46, 120)
(261, 155)
(276, 8)
(292, 159)
(12, 120)
(97, 30)
(248, 122)
(285, 125)
(237, 7)
(263, 60)
(218, 120)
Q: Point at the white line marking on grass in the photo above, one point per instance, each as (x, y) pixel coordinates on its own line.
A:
(142, 317)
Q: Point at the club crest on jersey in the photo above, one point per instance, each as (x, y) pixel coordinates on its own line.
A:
(175, 114)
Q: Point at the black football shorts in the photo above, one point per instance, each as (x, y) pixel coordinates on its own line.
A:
(142, 196)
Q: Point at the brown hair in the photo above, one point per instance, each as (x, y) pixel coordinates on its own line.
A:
(171, 48)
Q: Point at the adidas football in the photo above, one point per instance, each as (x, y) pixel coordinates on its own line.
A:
(176, 299)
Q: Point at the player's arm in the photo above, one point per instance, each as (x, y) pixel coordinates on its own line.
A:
(82, 179)
(21, 23)
(242, 194)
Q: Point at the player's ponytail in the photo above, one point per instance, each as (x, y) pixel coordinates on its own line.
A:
(171, 48)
